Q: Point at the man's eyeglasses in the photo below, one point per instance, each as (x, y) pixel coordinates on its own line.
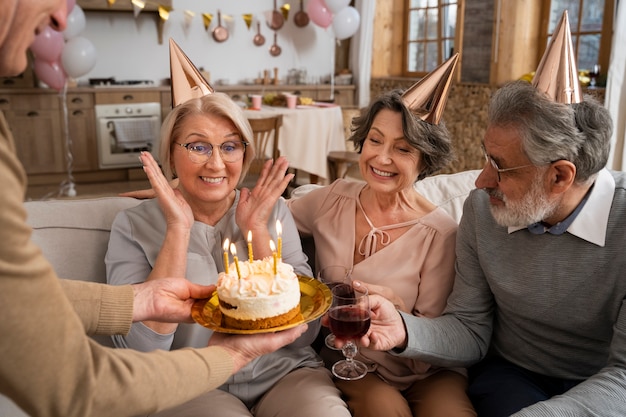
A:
(494, 164)
(200, 152)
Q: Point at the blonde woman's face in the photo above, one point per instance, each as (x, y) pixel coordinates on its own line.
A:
(213, 180)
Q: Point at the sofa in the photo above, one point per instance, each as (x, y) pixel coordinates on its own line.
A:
(73, 233)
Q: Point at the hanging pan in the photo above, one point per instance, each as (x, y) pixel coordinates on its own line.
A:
(220, 33)
(258, 38)
(275, 49)
(301, 19)
(277, 18)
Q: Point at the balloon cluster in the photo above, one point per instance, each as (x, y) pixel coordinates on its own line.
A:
(343, 18)
(62, 54)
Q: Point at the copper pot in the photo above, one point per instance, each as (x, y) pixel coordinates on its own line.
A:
(301, 19)
(258, 38)
(275, 49)
(220, 33)
(277, 18)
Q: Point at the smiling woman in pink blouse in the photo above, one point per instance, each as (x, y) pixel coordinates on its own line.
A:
(397, 243)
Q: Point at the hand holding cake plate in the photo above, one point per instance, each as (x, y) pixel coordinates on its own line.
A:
(315, 300)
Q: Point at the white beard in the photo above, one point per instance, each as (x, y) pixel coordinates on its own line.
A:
(533, 207)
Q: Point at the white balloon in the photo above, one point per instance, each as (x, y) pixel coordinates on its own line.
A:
(75, 23)
(336, 5)
(346, 23)
(78, 57)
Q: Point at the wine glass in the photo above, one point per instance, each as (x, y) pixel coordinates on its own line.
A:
(332, 276)
(594, 73)
(349, 318)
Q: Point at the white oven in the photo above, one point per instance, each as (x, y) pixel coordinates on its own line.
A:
(124, 130)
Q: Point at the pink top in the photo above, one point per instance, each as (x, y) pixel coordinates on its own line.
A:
(418, 265)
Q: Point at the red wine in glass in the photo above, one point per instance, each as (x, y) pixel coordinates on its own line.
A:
(349, 322)
(349, 319)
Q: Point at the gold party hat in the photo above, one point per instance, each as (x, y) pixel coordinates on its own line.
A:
(556, 74)
(431, 92)
(187, 82)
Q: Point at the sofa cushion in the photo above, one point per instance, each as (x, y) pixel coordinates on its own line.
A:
(447, 191)
(74, 234)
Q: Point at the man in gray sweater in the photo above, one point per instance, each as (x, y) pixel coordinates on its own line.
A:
(538, 303)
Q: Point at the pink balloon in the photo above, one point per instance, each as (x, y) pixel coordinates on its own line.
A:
(319, 13)
(50, 73)
(70, 5)
(48, 45)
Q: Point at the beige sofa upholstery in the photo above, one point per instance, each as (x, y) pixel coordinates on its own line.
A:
(74, 234)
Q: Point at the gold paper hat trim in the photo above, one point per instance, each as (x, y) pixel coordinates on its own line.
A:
(431, 92)
(187, 82)
(556, 74)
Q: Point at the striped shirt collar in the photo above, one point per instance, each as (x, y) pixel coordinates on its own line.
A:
(592, 221)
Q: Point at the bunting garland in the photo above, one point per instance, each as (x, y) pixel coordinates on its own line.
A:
(164, 13)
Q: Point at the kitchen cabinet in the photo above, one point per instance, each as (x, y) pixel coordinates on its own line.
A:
(37, 120)
(82, 131)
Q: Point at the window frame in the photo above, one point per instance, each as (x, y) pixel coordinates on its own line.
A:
(458, 37)
(606, 33)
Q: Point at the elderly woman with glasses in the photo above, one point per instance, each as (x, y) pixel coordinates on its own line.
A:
(205, 143)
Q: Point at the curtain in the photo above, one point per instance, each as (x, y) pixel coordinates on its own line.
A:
(615, 99)
(361, 51)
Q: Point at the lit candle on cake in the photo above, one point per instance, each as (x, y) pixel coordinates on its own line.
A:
(250, 254)
(226, 242)
(274, 255)
(233, 250)
(279, 232)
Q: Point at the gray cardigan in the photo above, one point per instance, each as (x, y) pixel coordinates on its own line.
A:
(135, 241)
(551, 304)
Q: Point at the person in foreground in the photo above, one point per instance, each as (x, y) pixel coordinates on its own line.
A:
(206, 142)
(395, 242)
(539, 294)
(49, 366)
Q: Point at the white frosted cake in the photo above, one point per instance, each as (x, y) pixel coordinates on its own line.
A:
(259, 299)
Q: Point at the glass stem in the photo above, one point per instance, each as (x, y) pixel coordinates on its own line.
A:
(349, 351)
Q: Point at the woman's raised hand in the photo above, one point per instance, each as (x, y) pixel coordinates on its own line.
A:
(175, 209)
(255, 206)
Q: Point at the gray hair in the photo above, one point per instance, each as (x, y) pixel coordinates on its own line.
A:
(216, 104)
(433, 141)
(579, 133)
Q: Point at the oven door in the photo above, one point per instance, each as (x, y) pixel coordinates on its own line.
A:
(122, 138)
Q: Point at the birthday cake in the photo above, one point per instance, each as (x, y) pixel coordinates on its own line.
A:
(260, 295)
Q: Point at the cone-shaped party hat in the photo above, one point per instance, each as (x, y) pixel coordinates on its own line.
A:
(556, 74)
(431, 92)
(187, 82)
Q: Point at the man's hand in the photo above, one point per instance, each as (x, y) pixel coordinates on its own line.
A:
(387, 329)
(167, 299)
(244, 348)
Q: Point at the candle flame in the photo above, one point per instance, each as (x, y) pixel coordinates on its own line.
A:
(233, 249)
(272, 246)
(226, 243)
(249, 236)
(279, 228)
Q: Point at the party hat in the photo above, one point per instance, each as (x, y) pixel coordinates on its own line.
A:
(556, 74)
(431, 92)
(187, 82)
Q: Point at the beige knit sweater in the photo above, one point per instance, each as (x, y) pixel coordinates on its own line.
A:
(48, 364)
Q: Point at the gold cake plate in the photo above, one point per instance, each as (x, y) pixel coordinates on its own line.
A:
(315, 300)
